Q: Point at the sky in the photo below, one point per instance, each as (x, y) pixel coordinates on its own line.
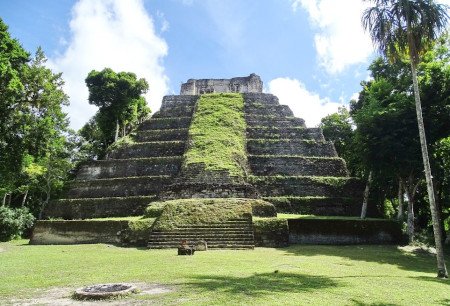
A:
(311, 54)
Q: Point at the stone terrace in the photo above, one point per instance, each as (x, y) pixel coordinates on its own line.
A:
(293, 166)
(133, 176)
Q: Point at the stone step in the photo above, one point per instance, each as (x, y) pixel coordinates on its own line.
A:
(290, 147)
(216, 230)
(175, 111)
(149, 149)
(162, 135)
(320, 206)
(173, 101)
(118, 187)
(274, 121)
(166, 123)
(232, 246)
(221, 224)
(85, 208)
(260, 99)
(285, 133)
(268, 165)
(304, 186)
(168, 238)
(112, 168)
(267, 110)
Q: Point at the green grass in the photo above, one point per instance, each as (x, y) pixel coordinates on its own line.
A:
(217, 134)
(317, 275)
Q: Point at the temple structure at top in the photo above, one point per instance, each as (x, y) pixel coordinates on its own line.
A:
(251, 83)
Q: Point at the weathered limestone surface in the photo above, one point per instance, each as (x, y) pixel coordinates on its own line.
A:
(316, 231)
(293, 166)
(252, 83)
(135, 173)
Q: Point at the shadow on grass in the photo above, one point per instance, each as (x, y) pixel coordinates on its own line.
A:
(382, 254)
(359, 303)
(445, 281)
(262, 284)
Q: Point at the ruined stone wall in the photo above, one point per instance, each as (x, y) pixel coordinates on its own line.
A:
(252, 83)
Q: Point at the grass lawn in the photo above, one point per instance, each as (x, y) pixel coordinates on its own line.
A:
(320, 275)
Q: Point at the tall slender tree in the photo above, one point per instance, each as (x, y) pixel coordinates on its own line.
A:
(409, 27)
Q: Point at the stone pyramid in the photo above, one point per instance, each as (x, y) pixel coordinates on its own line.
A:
(286, 163)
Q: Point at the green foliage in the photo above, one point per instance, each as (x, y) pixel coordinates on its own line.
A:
(36, 145)
(261, 208)
(13, 222)
(217, 134)
(201, 211)
(270, 225)
(154, 210)
(400, 28)
(386, 137)
(118, 96)
(13, 60)
(137, 232)
(337, 127)
(123, 142)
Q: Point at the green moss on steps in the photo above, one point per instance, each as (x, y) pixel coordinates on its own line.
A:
(201, 211)
(217, 134)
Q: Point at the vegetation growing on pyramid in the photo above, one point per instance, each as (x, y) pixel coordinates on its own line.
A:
(201, 211)
(217, 134)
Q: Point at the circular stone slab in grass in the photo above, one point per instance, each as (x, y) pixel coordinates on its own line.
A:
(104, 291)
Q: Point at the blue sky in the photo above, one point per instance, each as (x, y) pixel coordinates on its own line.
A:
(312, 54)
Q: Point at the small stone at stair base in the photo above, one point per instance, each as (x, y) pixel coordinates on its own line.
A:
(201, 245)
(185, 249)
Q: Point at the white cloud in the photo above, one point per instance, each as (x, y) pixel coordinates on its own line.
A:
(165, 25)
(116, 34)
(305, 104)
(340, 40)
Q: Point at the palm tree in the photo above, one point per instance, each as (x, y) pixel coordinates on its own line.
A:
(399, 27)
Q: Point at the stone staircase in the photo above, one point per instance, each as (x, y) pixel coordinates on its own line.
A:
(231, 234)
(293, 166)
(134, 174)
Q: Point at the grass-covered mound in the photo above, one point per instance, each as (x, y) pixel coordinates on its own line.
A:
(201, 211)
(217, 134)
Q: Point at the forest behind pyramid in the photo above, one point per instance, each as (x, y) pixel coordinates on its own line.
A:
(211, 159)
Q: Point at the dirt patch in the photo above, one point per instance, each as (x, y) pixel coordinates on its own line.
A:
(63, 296)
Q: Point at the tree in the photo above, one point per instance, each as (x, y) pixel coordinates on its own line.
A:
(13, 60)
(399, 27)
(118, 96)
(337, 127)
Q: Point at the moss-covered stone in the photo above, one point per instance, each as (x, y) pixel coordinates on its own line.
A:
(201, 211)
(217, 134)
(271, 232)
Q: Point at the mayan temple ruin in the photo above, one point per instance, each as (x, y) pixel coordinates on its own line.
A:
(272, 163)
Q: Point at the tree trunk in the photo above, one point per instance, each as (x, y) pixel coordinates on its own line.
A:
(4, 199)
(24, 198)
(442, 270)
(47, 197)
(410, 217)
(366, 196)
(116, 136)
(400, 200)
